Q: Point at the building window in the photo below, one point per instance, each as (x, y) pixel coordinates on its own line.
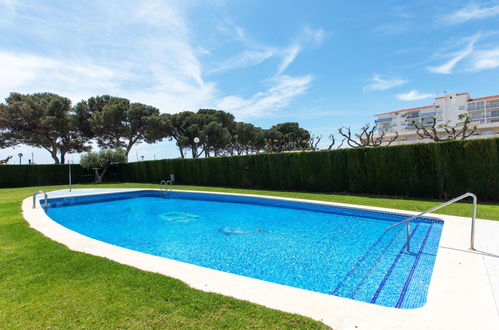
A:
(480, 105)
(471, 106)
(461, 107)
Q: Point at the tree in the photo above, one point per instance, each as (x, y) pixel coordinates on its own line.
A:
(175, 127)
(211, 127)
(246, 139)
(42, 120)
(5, 160)
(286, 137)
(446, 132)
(366, 138)
(115, 123)
(102, 160)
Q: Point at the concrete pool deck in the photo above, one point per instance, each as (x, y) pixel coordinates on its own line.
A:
(463, 293)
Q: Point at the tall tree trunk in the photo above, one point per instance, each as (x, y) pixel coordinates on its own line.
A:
(53, 153)
(100, 176)
(63, 157)
(129, 147)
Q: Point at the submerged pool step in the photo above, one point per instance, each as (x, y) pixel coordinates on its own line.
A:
(386, 275)
(388, 244)
(391, 288)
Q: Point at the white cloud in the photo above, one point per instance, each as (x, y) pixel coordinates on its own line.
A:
(448, 66)
(147, 56)
(262, 104)
(378, 83)
(288, 58)
(306, 38)
(470, 12)
(30, 73)
(245, 59)
(414, 95)
(484, 59)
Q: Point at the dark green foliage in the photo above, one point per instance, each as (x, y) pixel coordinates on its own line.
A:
(430, 170)
(41, 120)
(38, 175)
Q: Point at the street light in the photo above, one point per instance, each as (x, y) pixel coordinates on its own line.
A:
(20, 157)
(142, 157)
(196, 141)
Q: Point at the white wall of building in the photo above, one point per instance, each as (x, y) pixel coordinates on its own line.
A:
(484, 113)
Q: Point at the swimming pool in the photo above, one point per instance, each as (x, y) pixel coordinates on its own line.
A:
(339, 251)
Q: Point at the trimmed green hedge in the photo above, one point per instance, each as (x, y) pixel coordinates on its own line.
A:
(429, 170)
(42, 175)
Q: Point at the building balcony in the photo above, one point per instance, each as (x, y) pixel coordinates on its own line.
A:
(428, 114)
(493, 105)
(475, 117)
(383, 120)
(412, 115)
(493, 114)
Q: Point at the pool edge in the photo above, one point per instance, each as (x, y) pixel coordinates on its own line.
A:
(335, 311)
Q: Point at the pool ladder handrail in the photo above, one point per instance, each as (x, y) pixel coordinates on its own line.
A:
(473, 216)
(165, 183)
(45, 198)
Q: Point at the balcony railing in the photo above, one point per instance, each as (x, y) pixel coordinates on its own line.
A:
(428, 114)
(493, 114)
(382, 120)
(493, 105)
(413, 115)
(477, 117)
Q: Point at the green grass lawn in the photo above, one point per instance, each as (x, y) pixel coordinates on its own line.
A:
(43, 284)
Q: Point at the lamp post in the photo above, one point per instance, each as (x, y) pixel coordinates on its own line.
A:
(69, 175)
(142, 157)
(20, 155)
(196, 141)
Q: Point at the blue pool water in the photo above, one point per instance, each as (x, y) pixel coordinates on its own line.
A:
(339, 251)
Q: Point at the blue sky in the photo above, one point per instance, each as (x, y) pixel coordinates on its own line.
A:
(325, 64)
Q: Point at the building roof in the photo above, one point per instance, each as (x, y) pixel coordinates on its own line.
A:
(416, 108)
(458, 94)
(438, 98)
(485, 98)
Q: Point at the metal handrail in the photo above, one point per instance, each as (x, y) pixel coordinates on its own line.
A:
(473, 215)
(166, 184)
(45, 197)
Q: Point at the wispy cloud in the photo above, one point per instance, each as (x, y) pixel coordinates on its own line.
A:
(306, 38)
(147, 56)
(246, 58)
(289, 56)
(31, 73)
(414, 95)
(484, 59)
(470, 12)
(456, 57)
(380, 83)
(262, 104)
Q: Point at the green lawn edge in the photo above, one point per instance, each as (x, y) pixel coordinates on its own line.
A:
(43, 284)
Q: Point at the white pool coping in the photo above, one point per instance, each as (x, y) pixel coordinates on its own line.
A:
(461, 293)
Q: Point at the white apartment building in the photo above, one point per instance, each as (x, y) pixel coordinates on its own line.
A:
(483, 111)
